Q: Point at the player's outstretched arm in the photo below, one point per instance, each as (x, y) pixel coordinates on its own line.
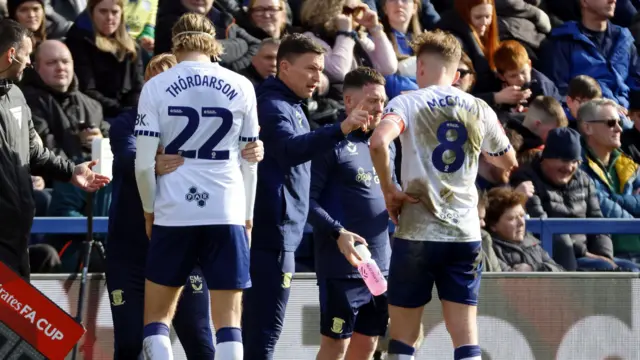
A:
(290, 148)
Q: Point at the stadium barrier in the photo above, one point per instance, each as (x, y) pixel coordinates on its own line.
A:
(545, 228)
(565, 316)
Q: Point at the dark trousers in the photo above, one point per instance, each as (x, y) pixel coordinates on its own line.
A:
(265, 303)
(125, 282)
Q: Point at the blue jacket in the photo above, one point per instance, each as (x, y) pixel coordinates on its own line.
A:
(617, 70)
(615, 202)
(127, 240)
(346, 193)
(284, 176)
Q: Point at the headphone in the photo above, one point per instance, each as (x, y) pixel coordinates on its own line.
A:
(5, 85)
(16, 60)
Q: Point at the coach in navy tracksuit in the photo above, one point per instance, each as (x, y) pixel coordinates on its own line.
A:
(127, 251)
(282, 199)
(346, 207)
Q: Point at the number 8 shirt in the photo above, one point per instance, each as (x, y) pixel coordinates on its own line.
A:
(204, 113)
(443, 131)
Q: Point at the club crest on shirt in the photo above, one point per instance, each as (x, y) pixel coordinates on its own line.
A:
(338, 325)
(352, 148)
(117, 298)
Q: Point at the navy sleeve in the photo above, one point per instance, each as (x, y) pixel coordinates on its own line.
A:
(123, 144)
(281, 142)
(321, 168)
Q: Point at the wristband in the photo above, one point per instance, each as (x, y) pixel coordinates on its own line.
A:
(351, 34)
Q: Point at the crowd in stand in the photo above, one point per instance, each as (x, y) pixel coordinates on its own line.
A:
(563, 76)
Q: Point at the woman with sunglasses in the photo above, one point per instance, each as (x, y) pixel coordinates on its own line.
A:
(351, 35)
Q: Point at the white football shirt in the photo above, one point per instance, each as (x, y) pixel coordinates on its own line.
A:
(201, 111)
(443, 131)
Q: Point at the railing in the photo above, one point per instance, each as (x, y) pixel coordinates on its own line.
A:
(546, 228)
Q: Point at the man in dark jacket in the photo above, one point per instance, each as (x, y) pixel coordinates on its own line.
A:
(562, 190)
(347, 206)
(22, 153)
(282, 199)
(66, 119)
(239, 46)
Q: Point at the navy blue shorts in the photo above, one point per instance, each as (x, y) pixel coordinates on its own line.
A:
(455, 268)
(347, 306)
(222, 251)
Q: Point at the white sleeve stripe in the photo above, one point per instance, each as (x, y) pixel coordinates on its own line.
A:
(248, 139)
(146, 133)
(501, 152)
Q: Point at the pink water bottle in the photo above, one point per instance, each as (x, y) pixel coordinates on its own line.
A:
(370, 272)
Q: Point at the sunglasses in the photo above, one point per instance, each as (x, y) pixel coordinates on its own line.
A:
(355, 12)
(609, 122)
(464, 72)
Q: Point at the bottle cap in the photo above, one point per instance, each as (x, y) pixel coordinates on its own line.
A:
(364, 253)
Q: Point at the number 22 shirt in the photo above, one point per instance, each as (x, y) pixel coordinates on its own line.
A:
(202, 112)
(443, 131)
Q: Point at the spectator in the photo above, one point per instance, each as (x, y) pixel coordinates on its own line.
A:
(31, 14)
(616, 175)
(562, 190)
(514, 69)
(263, 64)
(140, 19)
(581, 89)
(569, 10)
(489, 259)
(427, 14)
(107, 60)
(522, 20)
(490, 176)
(631, 137)
(594, 47)
(342, 27)
(467, 74)
(401, 21)
(475, 24)
(66, 120)
(239, 46)
(265, 19)
(515, 248)
(544, 115)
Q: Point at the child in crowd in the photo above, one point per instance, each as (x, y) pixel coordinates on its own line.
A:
(514, 69)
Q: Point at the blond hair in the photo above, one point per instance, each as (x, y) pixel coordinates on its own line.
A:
(195, 33)
(158, 64)
(320, 14)
(120, 44)
(440, 43)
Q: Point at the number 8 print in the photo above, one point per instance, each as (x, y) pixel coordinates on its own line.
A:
(452, 145)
